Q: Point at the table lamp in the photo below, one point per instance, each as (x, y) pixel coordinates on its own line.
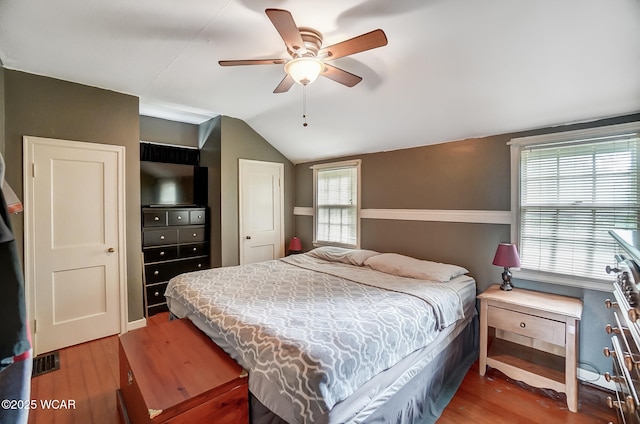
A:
(507, 257)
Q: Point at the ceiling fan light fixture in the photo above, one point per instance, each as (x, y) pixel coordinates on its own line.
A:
(304, 70)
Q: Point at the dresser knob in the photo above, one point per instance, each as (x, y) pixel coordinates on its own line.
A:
(199, 265)
(610, 377)
(161, 237)
(195, 249)
(161, 253)
(523, 325)
(611, 330)
(156, 294)
(179, 218)
(156, 218)
(628, 362)
(609, 270)
(195, 234)
(199, 216)
(156, 272)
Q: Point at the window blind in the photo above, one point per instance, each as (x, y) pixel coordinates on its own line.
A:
(337, 205)
(571, 194)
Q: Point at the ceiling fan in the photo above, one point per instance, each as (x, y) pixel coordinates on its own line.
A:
(308, 57)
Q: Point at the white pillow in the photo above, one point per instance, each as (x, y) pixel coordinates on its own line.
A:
(341, 254)
(404, 266)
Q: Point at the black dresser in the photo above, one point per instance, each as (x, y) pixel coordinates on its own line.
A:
(625, 331)
(174, 241)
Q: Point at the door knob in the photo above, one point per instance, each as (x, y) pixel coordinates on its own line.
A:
(111, 250)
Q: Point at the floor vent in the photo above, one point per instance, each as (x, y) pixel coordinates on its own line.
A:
(43, 364)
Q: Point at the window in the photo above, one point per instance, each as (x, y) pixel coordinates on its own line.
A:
(569, 190)
(336, 188)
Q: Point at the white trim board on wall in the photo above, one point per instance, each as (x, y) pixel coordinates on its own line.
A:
(436, 215)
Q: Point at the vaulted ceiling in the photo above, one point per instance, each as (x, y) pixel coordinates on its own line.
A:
(452, 69)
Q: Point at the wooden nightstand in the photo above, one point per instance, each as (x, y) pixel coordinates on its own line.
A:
(531, 337)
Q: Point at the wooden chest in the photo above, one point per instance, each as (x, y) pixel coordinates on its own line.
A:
(173, 373)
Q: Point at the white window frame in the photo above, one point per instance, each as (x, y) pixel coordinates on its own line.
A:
(517, 145)
(335, 165)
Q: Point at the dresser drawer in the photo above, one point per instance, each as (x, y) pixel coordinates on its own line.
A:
(195, 264)
(162, 271)
(197, 217)
(158, 237)
(178, 217)
(154, 218)
(194, 249)
(527, 325)
(155, 294)
(192, 234)
(157, 254)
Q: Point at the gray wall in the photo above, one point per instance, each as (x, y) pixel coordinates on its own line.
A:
(470, 174)
(46, 107)
(210, 136)
(168, 132)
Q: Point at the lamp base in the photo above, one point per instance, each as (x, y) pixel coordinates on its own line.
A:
(506, 280)
(506, 286)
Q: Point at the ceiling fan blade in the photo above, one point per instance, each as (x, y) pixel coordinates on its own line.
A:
(368, 41)
(340, 75)
(288, 30)
(284, 86)
(252, 62)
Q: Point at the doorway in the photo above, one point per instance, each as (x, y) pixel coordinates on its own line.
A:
(74, 241)
(261, 194)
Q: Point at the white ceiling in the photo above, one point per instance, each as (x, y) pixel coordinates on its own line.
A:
(453, 69)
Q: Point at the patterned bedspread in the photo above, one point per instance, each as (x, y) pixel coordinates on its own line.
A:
(318, 330)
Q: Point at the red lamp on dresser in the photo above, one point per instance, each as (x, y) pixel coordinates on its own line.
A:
(507, 257)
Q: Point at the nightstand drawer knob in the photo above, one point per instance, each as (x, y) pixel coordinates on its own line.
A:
(522, 325)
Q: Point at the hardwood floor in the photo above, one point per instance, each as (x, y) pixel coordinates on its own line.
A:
(88, 376)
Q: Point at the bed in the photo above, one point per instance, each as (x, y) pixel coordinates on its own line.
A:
(339, 335)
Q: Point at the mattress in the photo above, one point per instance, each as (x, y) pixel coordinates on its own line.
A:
(411, 336)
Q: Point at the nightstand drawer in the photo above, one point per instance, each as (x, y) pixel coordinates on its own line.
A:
(527, 325)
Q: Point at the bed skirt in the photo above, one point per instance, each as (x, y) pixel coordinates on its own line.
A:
(424, 397)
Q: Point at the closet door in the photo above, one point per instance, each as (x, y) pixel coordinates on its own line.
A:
(74, 239)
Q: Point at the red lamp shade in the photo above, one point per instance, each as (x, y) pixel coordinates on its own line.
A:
(295, 245)
(507, 256)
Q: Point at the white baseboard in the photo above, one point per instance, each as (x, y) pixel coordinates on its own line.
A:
(132, 325)
(596, 379)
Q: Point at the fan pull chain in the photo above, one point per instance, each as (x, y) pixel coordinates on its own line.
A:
(304, 105)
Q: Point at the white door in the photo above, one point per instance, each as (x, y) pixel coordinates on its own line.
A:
(74, 241)
(261, 211)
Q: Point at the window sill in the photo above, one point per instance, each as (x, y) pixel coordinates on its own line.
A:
(564, 280)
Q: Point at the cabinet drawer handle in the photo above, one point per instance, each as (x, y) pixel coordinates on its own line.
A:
(161, 237)
(161, 253)
(156, 218)
(195, 249)
(522, 325)
(156, 272)
(195, 234)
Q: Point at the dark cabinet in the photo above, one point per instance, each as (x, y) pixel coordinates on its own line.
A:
(174, 241)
